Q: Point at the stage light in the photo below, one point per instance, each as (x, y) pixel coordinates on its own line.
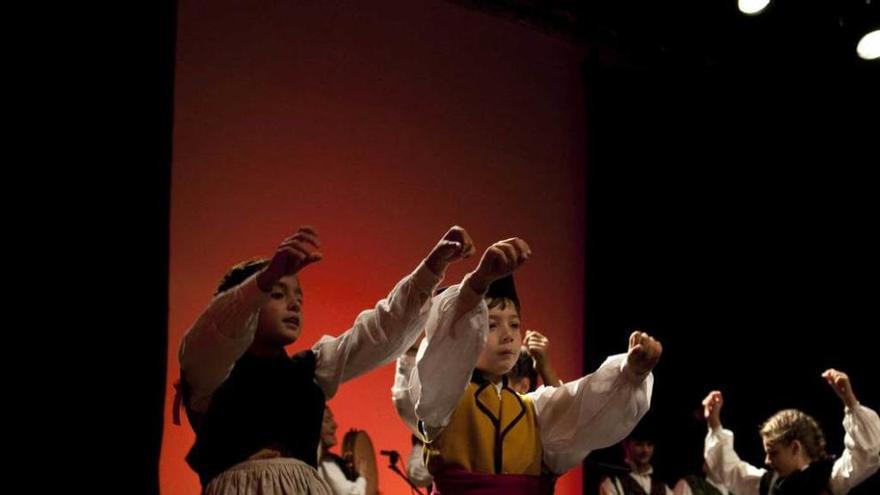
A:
(752, 7)
(869, 46)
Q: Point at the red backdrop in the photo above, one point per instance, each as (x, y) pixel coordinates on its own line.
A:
(381, 123)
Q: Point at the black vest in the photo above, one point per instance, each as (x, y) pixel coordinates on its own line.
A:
(264, 403)
(632, 487)
(811, 481)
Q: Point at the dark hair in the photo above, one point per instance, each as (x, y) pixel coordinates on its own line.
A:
(524, 368)
(502, 291)
(644, 431)
(239, 273)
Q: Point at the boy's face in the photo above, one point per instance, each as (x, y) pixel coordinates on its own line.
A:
(504, 340)
(281, 316)
(639, 452)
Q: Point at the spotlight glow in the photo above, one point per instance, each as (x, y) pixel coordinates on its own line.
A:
(869, 46)
(752, 7)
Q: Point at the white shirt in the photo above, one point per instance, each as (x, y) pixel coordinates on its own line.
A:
(416, 470)
(225, 330)
(593, 412)
(339, 483)
(612, 486)
(400, 392)
(683, 488)
(860, 458)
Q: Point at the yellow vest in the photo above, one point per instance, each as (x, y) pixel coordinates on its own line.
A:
(489, 434)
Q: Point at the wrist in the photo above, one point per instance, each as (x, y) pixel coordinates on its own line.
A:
(477, 283)
(436, 264)
(265, 282)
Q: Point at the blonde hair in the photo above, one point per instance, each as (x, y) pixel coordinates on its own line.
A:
(789, 425)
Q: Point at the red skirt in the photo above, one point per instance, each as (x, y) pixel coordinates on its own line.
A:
(453, 481)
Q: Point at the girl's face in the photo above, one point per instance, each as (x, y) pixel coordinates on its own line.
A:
(782, 458)
(328, 429)
(503, 343)
(281, 316)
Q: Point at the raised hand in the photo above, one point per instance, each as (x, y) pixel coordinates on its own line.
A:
(455, 245)
(712, 408)
(293, 254)
(644, 352)
(537, 345)
(499, 260)
(841, 385)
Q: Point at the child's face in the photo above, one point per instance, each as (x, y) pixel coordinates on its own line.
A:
(782, 458)
(328, 429)
(281, 316)
(639, 452)
(504, 340)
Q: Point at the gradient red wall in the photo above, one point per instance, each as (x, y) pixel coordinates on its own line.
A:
(381, 123)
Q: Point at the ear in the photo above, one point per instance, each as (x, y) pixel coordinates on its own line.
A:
(796, 447)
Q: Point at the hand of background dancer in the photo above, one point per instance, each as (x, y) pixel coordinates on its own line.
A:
(839, 381)
(712, 409)
(644, 352)
(499, 259)
(455, 245)
(293, 254)
(537, 345)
